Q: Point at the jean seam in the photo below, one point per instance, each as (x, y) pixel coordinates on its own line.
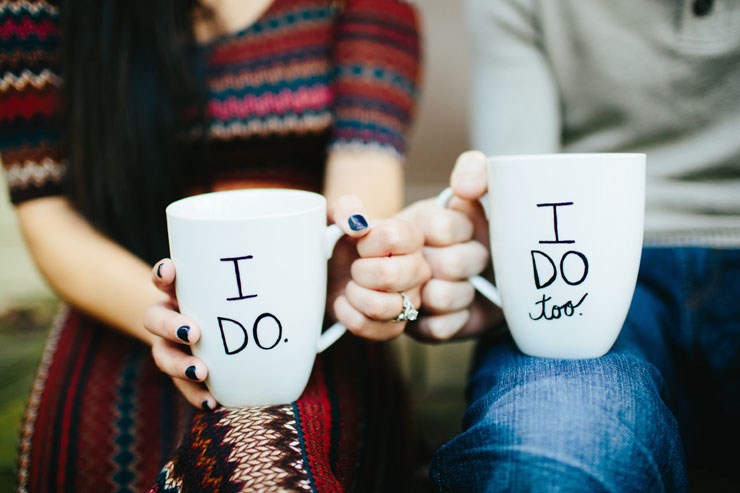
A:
(685, 319)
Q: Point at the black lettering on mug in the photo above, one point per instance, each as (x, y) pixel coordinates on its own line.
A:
(255, 331)
(236, 260)
(585, 267)
(555, 206)
(221, 321)
(537, 279)
(556, 311)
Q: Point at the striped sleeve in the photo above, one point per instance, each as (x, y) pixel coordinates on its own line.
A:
(29, 98)
(376, 74)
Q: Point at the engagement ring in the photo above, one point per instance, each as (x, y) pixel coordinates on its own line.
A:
(408, 313)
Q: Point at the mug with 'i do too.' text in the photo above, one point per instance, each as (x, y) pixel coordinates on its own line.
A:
(566, 235)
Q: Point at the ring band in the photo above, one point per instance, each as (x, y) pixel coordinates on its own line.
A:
(408, 313)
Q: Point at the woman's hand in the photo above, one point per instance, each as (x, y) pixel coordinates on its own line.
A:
(390, 261)
(456, 248)
(173, 333)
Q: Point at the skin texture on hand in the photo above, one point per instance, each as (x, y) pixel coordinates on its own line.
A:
(390, 261)
(456, 248)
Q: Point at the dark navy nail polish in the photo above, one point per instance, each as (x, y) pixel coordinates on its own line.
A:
(182, 333)
(159, 270)
(205, 405)
(190, 373)
(357, 222)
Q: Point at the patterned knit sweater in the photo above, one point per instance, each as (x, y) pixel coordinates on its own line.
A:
(307, 76)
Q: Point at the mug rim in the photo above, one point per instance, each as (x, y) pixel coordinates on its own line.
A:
(565, 156)
(175, 209)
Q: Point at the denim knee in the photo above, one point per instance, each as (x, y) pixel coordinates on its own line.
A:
(571, 425)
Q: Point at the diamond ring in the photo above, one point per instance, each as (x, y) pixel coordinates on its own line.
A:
(408, 313)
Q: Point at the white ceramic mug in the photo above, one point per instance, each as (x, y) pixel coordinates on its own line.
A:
(566, 240)
(251, 269)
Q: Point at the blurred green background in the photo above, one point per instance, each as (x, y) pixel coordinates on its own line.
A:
(26, 310)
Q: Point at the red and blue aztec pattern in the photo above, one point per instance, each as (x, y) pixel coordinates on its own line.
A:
(102, 417)
(29, 99)
(307, 76)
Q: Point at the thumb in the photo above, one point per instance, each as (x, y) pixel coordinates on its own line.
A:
(350, 215)
(468, 178)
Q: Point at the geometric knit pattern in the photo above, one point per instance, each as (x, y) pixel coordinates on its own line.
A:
(124, 423)
(266, 449)
(88, 425)
(250, 449)
(29, 98)
(306, 77)
(103, 417)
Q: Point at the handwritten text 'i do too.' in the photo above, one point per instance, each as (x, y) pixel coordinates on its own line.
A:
(572, 266)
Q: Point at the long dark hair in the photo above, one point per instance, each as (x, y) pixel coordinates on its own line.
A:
(133, 95)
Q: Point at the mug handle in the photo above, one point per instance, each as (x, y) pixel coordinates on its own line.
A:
(333, 333)
(483, 286)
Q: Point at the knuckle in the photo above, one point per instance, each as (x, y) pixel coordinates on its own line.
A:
(356, 324)
(417, 300)
(439, 328)
(439, 296)
(441, 228)
(389, 235)
(467, 292)
(388, 274)
(426, 271)
(375, 308)
(454, 266)
(482, 254)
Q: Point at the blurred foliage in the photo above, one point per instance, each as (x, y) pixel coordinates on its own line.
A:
(23, 332)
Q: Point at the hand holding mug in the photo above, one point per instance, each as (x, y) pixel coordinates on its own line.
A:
(390, 262)
(456, 248)
(566, 237)
(173, 333)
(279, 282)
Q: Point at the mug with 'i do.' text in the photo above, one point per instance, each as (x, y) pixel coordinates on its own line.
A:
(252, 271)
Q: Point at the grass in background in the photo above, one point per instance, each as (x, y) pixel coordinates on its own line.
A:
(23, 332)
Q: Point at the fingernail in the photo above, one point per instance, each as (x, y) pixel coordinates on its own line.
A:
(206, 406)
(159, 270)
(182, 333)
(190, 373)
(357, 222)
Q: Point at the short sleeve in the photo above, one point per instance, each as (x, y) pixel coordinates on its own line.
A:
(376, 74)
(29, 98)
(515, 103)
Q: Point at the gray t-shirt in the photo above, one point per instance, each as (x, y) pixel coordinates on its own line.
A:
(654, 76)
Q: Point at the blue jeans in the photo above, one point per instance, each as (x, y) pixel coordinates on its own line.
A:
(668, 391)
